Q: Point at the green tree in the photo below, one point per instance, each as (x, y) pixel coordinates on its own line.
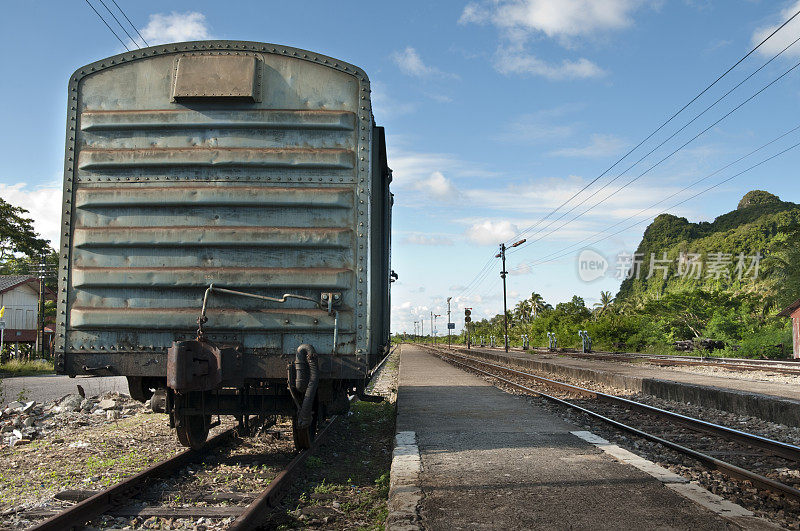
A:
(522, 311)
(17, 234)
(784, 261)
(606, 300)
(537, 303)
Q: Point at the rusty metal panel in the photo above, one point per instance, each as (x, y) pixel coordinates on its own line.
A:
(206, 76)
(164, 196)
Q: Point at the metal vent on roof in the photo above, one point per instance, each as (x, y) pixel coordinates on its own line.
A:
(216, 76)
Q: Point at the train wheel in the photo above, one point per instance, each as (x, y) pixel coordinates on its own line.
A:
(304, 437)
(192, 430)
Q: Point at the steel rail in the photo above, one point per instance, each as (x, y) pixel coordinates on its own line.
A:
(781, 366)
(380, 364)
(118, 494)
(782, 449)
(712, 462)
(253, 515)
(262, 506)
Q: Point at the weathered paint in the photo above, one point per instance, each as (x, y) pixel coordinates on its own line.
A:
(167, 191)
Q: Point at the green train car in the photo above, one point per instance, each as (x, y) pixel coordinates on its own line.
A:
(226, 232)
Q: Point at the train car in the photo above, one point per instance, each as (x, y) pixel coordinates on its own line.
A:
(226, 232)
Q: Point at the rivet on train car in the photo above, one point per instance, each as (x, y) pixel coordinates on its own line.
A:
(286, 321)
(316, 321)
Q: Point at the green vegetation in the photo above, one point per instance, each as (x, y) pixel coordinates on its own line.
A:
(19, 367)
(737, 304)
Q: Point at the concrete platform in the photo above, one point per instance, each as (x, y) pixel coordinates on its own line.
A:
(491, 460)
(775, 402)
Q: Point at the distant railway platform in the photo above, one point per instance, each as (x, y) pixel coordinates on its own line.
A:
(471, 456)
(773, 399)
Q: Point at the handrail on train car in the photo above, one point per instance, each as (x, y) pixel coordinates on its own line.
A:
(329, 297)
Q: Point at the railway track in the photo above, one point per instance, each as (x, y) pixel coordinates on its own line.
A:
(193, 476)
(787, 367)
(174, 482)
(766, 463)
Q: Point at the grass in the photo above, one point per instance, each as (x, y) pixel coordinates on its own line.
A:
(26, 368)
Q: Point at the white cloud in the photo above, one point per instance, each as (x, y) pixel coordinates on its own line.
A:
(565, 21)
(784, 37)
(599, 146)
(520, 269)
(554, 18)
(411, 64)
(511, 61)
(43, 204)
(417, 170)
(437, 186)
(176, 27)
(488, 232)
(426, 239)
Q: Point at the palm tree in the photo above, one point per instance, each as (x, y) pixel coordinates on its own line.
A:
(606, 300)
(522, 311)
(537, 304)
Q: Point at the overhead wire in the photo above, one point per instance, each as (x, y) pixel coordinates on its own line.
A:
(712, 187)
(688, 187)
(107, 25)
(478, 279)
(673, 135)
(659, 128)
(662, 160)
(119, 23)
(131, 23)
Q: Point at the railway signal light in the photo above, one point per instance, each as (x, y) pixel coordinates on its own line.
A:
(467, 313)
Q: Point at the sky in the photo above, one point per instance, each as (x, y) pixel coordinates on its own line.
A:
(496, 113)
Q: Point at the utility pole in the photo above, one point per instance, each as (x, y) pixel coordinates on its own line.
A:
(433, 339)
(448, 321)
(422, 329)
(503, 274)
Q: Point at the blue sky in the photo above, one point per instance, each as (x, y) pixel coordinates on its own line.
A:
(496, 112)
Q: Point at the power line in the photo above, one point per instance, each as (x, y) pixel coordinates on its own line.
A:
(477, 279)
(723, 168)
(717, 185)
(740, 105)
(109, 27)
(673, 135)
(131, 23)
(659, 128)
(119, 23)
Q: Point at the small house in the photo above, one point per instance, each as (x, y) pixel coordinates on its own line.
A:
(20, 296)
(793, 311)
